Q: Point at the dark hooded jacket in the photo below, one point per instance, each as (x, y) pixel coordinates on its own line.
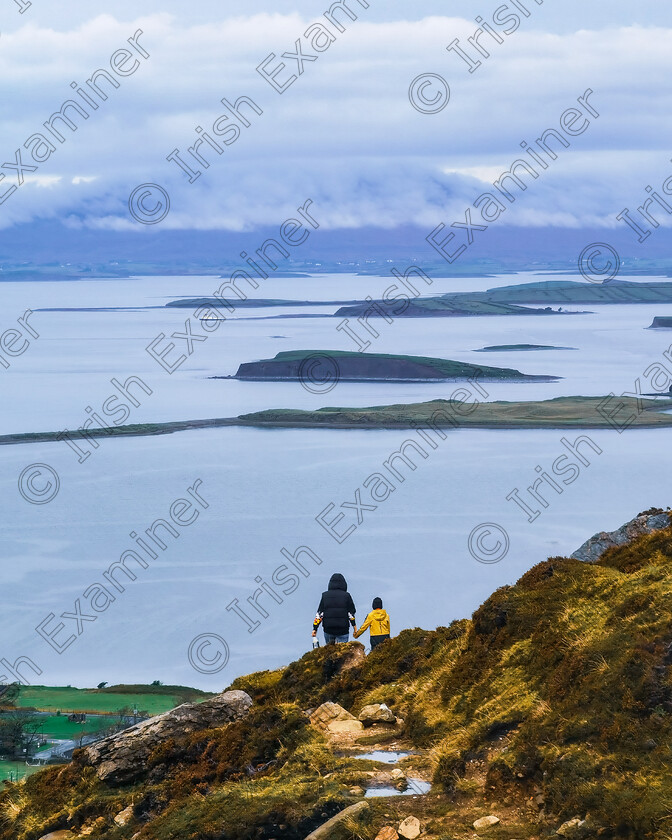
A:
(336, 607)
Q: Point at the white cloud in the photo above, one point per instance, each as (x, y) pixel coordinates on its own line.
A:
(345, 133)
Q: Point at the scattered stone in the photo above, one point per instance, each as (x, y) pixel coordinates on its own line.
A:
(377, 713)
(59, 835)
(329, 712)
(397, 774)
(335, 826)
(339, 727)
(124, 817)
(356, 791)
(540, 800)
(122, 758)
(409, 828)
(484, 823)
(570, 828)
(92, 826)
(387, 833)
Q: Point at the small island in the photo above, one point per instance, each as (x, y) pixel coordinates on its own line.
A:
(661, 323)
(350, 366)
(501, 348)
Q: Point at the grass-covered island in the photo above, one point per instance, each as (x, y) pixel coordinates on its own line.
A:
(501, 348)
(558, 413)
(661, 323)
(249, 303)
(350, 366)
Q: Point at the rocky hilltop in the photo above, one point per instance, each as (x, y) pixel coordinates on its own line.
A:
(547, 714)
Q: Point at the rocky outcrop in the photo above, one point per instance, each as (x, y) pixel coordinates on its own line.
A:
(644, 523)
(122, 758)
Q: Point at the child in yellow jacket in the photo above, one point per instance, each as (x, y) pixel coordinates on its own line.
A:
(379, 622)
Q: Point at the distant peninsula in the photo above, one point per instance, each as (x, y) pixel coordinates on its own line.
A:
(499, 348)
(251, 303)
(558, 413)
(569, 291)
(444, 306)
(661, 323)
(519, 299)
(350, 366)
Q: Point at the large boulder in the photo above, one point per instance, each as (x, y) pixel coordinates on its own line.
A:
(644, 523)
(122, 758)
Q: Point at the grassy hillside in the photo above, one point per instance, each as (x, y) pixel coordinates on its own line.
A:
(553, 700)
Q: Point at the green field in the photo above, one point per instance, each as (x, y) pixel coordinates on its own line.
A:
(15, 770)
(153, 699)
(60, 728)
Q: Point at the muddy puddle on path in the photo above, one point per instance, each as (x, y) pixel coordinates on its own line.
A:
(414, 787)
(384, 756)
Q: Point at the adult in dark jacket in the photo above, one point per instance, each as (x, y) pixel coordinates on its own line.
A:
(336, 611)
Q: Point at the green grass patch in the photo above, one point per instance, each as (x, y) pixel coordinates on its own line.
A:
(153, 699)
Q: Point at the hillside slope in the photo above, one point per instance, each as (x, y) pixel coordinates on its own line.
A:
(554, 701)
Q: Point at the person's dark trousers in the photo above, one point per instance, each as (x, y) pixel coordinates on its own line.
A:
(330, 639)
(376, 640)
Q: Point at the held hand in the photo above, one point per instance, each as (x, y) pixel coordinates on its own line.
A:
(314, 632)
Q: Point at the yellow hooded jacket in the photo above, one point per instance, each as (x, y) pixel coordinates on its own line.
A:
(378, 621)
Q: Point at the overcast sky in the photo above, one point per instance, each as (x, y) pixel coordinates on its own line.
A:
(344, 134)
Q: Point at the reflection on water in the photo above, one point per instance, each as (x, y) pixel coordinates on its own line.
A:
(384, 756)
(416, 787)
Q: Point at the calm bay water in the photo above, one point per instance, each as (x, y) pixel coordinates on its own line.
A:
(264, 488)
